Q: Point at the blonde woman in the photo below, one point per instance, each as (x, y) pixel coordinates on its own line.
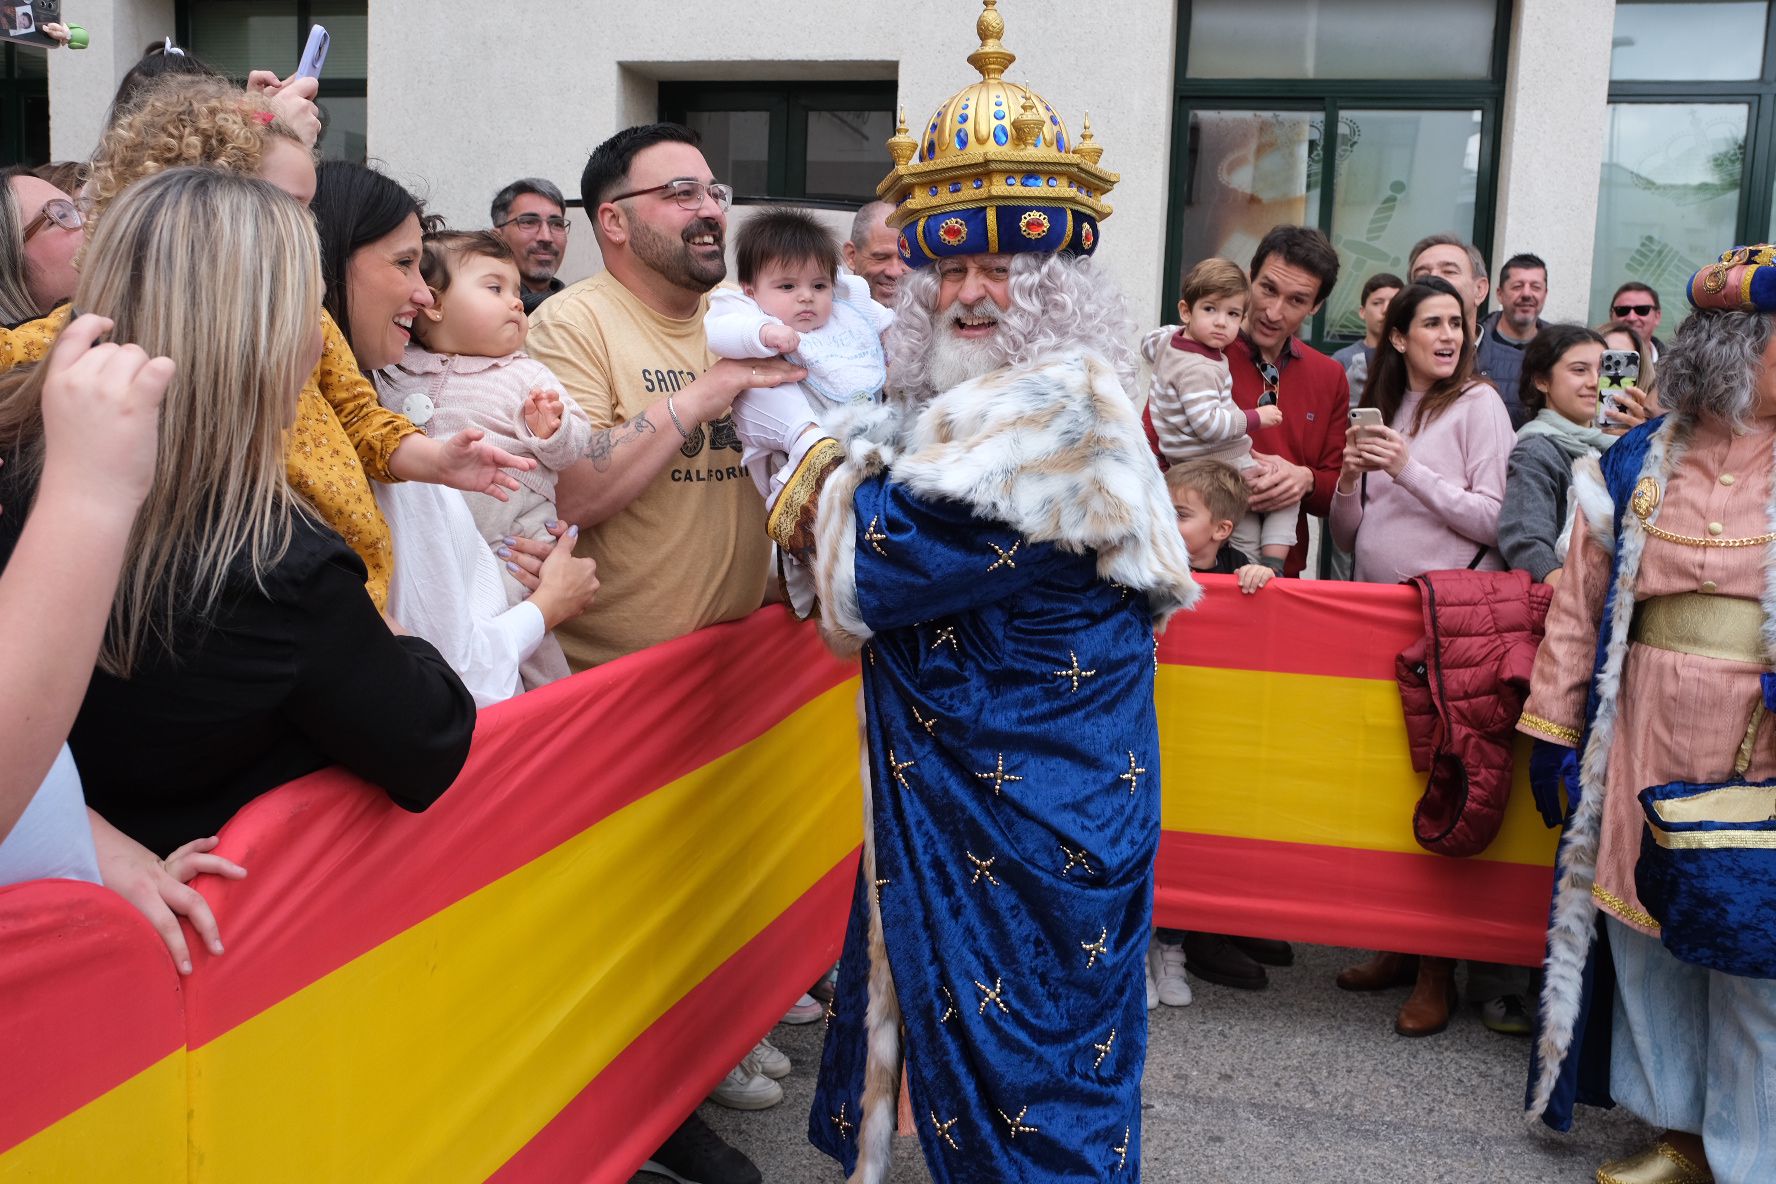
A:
(241, 651)
(342, 436)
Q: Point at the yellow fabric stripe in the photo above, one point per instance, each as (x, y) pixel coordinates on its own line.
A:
(134, 1132)
(421, 1061)
(1326, 760)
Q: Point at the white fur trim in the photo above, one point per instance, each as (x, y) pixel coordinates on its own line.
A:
(1574, 921)
(1055, 451)
(1593, 500)
(881, 1072)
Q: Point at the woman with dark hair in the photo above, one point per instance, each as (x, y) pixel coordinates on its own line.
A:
(446, 585)
(1653, 674)
(1421, 492)
(1559, 390)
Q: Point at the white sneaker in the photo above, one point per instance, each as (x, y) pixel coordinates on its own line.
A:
(771, 1060)
(807, 1009)
(1165, 969)
(1152, 987)
(745, 1088)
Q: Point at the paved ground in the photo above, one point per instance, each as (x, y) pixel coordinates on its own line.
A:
(1298, 1083)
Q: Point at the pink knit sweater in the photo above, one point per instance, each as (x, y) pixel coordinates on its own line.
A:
(1444, 506)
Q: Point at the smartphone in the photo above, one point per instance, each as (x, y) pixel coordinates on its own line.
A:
(1365, 417)
(1619, 369)
(314, 54)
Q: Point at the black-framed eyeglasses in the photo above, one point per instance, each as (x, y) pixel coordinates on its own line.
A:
(531, 223)
(59, 210)
(1633, 310)
(687, 193)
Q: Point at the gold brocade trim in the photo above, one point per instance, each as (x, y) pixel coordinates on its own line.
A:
(1715, 840)
(802, 488)
(1685, 540)
(1549, 727)
(1622, 908)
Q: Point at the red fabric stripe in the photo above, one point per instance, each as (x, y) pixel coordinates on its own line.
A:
(1420, 904)
(91, 1000)
(1297, 627)
(627, 1111)
(544, 768)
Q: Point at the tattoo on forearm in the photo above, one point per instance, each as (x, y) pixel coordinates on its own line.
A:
(604, 443)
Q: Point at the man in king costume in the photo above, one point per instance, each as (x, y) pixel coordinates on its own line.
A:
(997, 542)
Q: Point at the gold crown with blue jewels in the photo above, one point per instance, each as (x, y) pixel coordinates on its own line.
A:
(994, 170)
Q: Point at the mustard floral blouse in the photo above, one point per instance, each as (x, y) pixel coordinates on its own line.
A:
(343, 438)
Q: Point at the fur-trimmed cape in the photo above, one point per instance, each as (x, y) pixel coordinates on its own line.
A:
(1055, 451)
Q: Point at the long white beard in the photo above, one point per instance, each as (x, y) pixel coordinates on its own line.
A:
(955, 360)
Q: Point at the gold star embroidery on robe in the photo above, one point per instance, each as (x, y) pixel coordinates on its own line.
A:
(927, 724)
(1016, 1125)
(832, 1013)
(982, 867)
(1133, 776)
(949, 1006)
(874, 537)
(1122, 1152)
(897, 769)
(1104, 1048)
(943, 1129)
(998, 776)
(1095, 949)
(844, 1124)
(947, 633)
(1075, 859)
(995, 996)
(1005, 557)
(1074, 672)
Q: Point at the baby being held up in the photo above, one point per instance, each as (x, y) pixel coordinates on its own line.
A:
(1191, 398)
(793, 301)
(466, 368)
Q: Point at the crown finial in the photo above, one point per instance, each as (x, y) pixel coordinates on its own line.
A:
(992, 59)
(1087, 148)
(900, 145)
(1028, 125)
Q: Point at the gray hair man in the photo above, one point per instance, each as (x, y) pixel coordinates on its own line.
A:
(871, 253)
(530, 215)
(1460, 263)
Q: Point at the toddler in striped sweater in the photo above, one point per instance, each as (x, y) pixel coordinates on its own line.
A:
(1191, 398)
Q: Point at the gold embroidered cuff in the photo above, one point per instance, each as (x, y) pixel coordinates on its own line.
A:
(1622, 908)
(1548, 729)
(791, 524)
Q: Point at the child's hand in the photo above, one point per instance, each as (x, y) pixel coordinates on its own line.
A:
(1252, 577)
(542, 413)
(781, 338)
(1269, 417)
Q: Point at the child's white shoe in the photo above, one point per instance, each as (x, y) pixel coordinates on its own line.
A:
(1165, 975)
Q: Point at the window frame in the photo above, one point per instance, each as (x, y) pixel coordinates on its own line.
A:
(327, 87)
(1757, 202)
(16, 94)
(788, 104)
(1328, 98)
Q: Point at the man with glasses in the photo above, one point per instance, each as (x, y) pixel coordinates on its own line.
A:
(532, 217)
(676, 526)
(1637, 305)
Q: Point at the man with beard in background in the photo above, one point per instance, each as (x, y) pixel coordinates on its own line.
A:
(998, 543)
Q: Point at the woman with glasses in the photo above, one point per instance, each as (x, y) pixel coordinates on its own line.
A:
(40, 231)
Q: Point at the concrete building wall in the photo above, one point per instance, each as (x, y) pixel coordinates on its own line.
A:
(1556, 100)
(81, 82)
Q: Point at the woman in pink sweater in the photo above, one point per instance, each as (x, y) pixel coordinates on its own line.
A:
(1423, 492)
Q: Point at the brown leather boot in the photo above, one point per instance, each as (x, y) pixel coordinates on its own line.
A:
(1426, 1010)
(1380, 972)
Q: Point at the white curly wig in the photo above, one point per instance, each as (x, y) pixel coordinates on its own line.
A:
(1058, 303)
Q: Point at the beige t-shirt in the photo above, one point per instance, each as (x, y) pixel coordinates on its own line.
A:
(691, 550)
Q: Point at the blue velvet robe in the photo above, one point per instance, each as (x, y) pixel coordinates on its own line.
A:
(1014, 757)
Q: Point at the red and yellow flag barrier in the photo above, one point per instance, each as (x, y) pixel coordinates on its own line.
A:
(637, 872)
(1289, 787)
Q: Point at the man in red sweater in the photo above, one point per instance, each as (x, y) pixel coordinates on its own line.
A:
(1293, 271)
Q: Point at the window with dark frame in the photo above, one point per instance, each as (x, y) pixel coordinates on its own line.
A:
(1689, 155)
(1375, 120)
(236, 36)
(24, 105)
(812, 142)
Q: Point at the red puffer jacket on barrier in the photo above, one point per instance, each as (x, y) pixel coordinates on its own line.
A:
(1462, 687)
